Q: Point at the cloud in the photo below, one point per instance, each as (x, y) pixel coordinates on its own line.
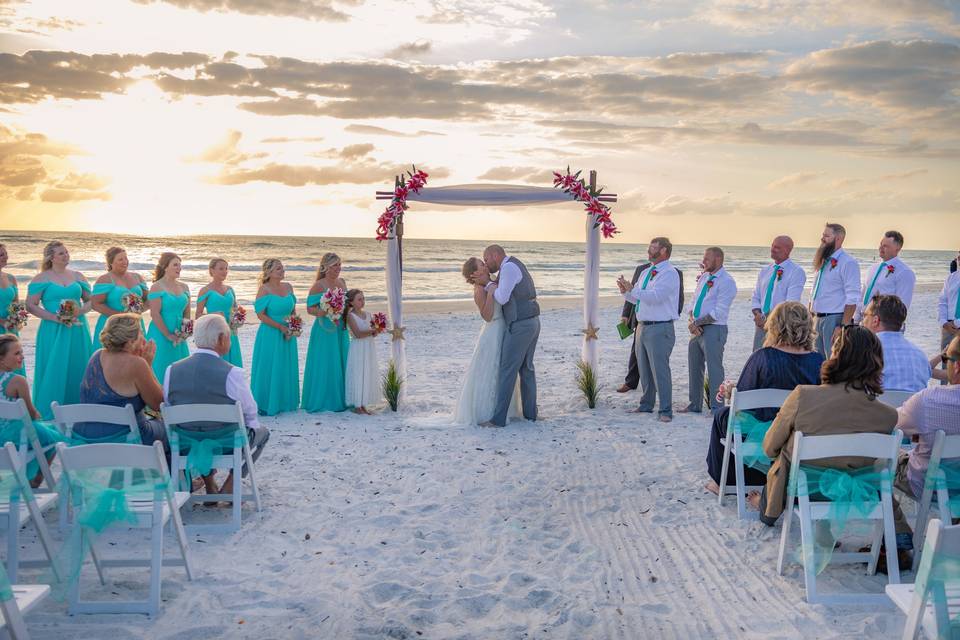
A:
(906, 175)
(532, 175)
(284, 139)
(355, 151)
(303, 175)
(380, 131)
(690, 62)
(411, 49)
(319, 10)
(76, 187)
(226, 151)
(795, 180)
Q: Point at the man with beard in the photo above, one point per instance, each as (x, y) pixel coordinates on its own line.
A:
(781, 281)
(890, 276)
(836, 287)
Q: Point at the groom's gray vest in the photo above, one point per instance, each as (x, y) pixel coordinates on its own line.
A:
(523, 301)
(200, 379)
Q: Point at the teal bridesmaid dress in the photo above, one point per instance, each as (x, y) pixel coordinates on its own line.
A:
(62, 352)
(223, 304)
(6, 297)
(323, 377)
(274, 373)
(114, 300)
(171, 310)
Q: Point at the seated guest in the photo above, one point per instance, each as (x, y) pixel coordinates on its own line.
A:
(786, 360)
(845, 402)
(206, 378)
(933, 409)
(120, 374)
(905, 367)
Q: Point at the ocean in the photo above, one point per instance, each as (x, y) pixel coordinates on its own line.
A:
(431, 268)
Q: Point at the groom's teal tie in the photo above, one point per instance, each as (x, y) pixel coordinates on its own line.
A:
(767, 299)
(643, 287)
(866, 298)
(703, 294)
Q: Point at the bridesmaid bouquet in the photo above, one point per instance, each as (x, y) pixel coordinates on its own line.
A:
(333, 302)
(68, 312)
(238, 317)
(132, 303)
(185, 330)
(16, 316)
(378, 322)
(295, 325)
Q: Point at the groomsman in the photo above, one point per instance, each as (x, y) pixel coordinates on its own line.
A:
(948, 309)
(708, 328)
(836, 287)
(657, 298)
(891, 276)
(781, 281)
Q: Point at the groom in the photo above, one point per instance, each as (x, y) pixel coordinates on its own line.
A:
(516, 293)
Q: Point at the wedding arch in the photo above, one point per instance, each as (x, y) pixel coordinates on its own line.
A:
(566, 186)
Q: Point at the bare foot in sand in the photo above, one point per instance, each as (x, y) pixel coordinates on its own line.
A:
(712, 487)
(753, 499)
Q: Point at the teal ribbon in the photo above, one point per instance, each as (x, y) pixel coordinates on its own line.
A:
(703, 294)
(866, 298)
(643, 287)
(15, 492)
(11, 431)
(947, 479)
(768, 298)
(203, 446)
(752, 432)
(6, 589)
(816, 289)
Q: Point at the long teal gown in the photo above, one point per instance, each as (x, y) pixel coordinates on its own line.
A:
(47, 434)
(323, 377)
(62, 352)
(274, 373)
(171, 311)
(114, 300)
(7, 296)
(223, 304)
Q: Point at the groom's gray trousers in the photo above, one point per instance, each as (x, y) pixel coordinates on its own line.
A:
(654, 344)
(516, 356)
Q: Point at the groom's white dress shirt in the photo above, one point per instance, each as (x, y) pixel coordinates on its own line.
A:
(510, 276)
(657, 302)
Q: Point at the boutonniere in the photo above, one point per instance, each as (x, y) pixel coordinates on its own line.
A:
(833, 264)
(779, 274)
(653, 273)
(890, 270)
(709, 284)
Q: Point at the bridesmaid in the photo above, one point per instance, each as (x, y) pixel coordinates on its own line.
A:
(323, 377)
(274, 373)
(217, 297)
(9, 293)
(169, 301)
(111, 287)
(63, 344)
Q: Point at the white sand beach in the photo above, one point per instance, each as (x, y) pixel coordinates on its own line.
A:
(585, 524)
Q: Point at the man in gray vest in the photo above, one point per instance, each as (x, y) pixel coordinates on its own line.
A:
(206, 378)
(516, 293)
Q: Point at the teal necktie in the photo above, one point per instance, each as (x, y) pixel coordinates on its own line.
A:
(956, 308)
(767, 298)
(816, 290)
(866, 298)
(703, 294)
(643, 287)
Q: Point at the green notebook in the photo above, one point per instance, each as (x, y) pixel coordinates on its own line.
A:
(624, 330)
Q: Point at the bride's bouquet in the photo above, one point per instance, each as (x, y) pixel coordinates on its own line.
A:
(185, 330)
(68, 312)
(17, 316)
(132, 303)
(238, 317)
(295, 325)
(378, 322)
(333, 302)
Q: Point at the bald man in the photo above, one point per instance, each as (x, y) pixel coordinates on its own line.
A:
(779, 282)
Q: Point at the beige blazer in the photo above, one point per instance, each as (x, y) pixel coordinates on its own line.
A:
(820, 411)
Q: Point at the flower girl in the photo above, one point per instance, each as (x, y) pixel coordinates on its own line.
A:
(362, 378)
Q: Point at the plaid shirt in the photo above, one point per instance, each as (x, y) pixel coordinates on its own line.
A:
(933, 409)
(905, 367)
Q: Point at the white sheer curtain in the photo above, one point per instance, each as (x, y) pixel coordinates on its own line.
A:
(395, 303)
(591, 295)
(498, 195)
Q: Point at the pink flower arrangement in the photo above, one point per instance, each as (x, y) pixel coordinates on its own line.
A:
(68, 312)
(185, 330)
(17, 316)
(295, 325)
(576, 187)
(387, 220)
(379, 322)
(238, 317)
(132, 303)
(333, 302)
(833, 264)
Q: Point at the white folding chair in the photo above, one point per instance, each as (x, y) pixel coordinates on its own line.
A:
(151, 513)
(895, 399)
(66, 416)
(866, 445)
(944, 448)
(16, 410)
(174, 416)
(17, 508)
(733, 443)
(25, 598)
(934, 606)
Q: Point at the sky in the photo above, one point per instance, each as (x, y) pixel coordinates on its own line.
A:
(715, 121)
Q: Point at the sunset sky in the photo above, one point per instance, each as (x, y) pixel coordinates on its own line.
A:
(717, 121)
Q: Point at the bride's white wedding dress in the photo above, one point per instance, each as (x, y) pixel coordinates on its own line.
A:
(478, 394)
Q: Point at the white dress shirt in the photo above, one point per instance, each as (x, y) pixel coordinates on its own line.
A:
(510, 277)
(237, 390)
(716, 303)
(661, 299)
(947, 305)
(835, 287)
(788, 288)
(900, 283)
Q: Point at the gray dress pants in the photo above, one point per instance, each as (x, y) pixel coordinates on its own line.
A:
(516, 357)
(654, 346)
(706, 349)
(825, 327)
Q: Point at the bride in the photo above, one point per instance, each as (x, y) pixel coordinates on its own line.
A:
(478, 392)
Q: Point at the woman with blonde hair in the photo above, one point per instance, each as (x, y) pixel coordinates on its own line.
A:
(786, 360)
(325, 372)
(218, 297)
(113, 290)
(9, 293)
(169, 301)
(275, 371)
(60, 297)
